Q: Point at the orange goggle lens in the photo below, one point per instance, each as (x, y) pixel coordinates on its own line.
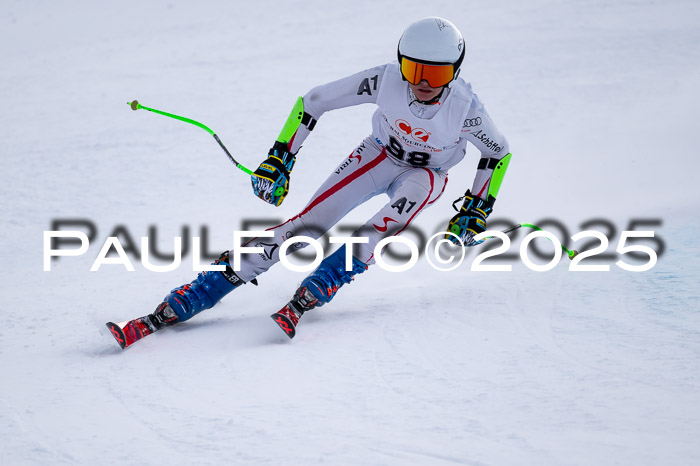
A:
(436, 75)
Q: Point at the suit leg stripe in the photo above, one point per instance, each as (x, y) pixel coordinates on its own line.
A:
(427, 198)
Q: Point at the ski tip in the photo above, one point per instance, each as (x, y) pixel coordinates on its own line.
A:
(285, 324)
(117, 333)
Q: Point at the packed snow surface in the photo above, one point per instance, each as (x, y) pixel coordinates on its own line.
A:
(598, 100)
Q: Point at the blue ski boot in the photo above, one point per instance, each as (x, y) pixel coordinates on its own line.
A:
(317, 289)
(205, 291)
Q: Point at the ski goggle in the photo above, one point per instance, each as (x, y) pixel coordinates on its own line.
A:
(436, 75)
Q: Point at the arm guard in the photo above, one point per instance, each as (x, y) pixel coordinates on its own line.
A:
(499, 168)
(297, 118)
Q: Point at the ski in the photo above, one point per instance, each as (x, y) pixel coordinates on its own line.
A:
(117, 333)
(285, 324)
(128, 333)
(287, 318)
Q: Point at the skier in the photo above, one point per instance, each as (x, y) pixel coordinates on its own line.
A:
(426, 115)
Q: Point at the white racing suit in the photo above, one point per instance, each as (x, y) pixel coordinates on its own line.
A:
(407, 157)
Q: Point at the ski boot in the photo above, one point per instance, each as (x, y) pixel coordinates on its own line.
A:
(317, 289)
(205, 291)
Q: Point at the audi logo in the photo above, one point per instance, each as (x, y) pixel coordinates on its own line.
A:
(469, 122)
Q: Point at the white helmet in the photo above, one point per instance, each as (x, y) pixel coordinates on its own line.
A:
(432, 41)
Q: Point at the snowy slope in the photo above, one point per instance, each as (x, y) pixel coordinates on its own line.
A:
(598, 103)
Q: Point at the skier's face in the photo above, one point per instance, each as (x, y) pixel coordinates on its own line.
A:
(424, 92)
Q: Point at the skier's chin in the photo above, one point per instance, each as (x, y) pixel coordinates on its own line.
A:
(425, 93)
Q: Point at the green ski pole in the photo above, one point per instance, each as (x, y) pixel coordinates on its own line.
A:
(570, 253)
(135, 105)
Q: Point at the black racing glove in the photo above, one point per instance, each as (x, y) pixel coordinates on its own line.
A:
(271, 179)
(471, 219)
